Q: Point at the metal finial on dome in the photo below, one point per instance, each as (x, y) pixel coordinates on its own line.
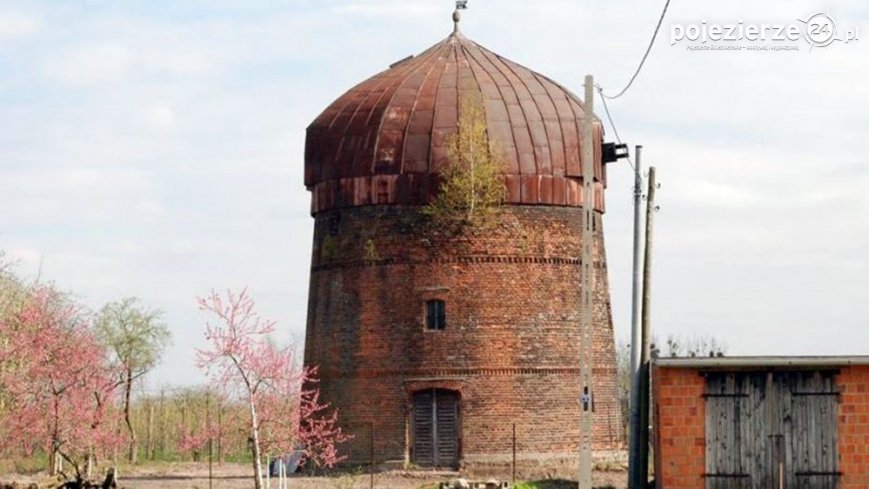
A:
(457, 16)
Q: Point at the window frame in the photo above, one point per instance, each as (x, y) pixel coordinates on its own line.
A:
(435, 314)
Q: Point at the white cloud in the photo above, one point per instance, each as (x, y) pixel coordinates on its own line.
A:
(151, 207)
(17, 25)
(387, 8)
(712, 194)
(160, 117)
(75, 179)
(91, 64)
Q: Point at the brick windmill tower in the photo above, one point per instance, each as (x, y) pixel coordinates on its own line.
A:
(438, 344)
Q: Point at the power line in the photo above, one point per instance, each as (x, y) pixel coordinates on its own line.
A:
(642, 61)
(612, 124)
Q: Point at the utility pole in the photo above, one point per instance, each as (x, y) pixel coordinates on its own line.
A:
(586, 330)
(634, 480)
(643, 438)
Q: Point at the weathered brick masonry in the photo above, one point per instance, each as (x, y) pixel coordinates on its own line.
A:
(509, 352)
(679, 414)
(854, 427)
(510, 348)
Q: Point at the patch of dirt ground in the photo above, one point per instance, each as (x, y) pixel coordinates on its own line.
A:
(238, 476)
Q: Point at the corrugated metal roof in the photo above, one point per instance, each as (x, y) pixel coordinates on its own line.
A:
(721, 363)
(384, 140)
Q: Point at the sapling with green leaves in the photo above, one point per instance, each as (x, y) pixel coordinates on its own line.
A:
(137, 338)
(471, 182)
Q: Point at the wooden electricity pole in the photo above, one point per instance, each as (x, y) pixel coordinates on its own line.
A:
(586, 329)
(645, 401)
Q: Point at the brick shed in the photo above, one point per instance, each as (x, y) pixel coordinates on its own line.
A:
(436, 343)
(761, 422)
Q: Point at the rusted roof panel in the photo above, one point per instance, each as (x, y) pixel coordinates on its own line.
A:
(530, 189)
(384, 141)
(559, 190)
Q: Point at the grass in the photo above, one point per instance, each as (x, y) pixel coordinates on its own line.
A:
(24, 465)
(609, 466)
(551, 484)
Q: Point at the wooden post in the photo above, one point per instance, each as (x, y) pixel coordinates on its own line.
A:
(645, 402)
(210, 440)
(149, 441)
(219, 431)
(586, 322)
(162, 423)
(183, 427)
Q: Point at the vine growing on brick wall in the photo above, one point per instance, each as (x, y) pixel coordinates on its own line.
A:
(471, 185)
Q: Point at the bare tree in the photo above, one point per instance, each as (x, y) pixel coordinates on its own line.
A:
(623, 362)
(675, 346)
(692, 346)
(137, 338)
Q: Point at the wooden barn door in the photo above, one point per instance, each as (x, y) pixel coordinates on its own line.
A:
(435, 428)
(731, 423)
(771, 430)
(813, 439)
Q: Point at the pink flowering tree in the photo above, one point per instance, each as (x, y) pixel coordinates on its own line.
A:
(283, 408)
(318, 430)
(60, 392)
(211, 426)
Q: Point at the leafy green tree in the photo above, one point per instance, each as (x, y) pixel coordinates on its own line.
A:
(137, 338)
(471, 182)
(13, 296)
(13, 291)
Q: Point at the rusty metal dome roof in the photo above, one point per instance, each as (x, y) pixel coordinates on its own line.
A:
(383, 141)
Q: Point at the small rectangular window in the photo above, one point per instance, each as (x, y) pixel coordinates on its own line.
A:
(435, 314)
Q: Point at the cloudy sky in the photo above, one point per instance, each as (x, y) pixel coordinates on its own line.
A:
(155, 149)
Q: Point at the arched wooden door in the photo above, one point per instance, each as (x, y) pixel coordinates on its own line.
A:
(435, 429)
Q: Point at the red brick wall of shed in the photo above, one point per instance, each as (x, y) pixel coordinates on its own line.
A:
(511, 342)
(854, 427)
(680, 428)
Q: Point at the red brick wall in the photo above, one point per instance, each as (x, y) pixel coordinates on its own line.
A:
(680, 428)
(511, 343)
(854, 427)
